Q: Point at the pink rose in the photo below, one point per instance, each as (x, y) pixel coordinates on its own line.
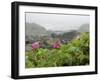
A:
(35, 45)
(56, 44)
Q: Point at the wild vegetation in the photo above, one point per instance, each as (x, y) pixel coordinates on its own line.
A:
(73, 53)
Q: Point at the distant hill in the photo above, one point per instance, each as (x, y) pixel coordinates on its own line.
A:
(84, 28)
(33, 30)
(69, 36)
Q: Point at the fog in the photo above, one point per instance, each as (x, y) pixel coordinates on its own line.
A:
(57, 22)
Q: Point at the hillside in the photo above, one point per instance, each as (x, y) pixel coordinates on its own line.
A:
(84, 28)
(32, 30)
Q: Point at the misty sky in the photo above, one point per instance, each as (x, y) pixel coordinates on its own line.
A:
(57, 22)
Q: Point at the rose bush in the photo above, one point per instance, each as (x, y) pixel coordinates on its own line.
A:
(75, 53)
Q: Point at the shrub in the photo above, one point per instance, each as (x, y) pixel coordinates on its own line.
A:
(75, 53)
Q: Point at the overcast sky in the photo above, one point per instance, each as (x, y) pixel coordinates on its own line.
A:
(57, 22)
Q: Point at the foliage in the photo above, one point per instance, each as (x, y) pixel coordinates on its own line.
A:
(75, 53)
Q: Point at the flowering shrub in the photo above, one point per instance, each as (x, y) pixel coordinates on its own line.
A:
(56, 44)
(75, 53)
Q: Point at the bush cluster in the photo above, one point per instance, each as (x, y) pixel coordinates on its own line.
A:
(75, 53)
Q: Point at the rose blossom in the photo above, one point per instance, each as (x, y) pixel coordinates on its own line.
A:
(35, 45)
(56, 44)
